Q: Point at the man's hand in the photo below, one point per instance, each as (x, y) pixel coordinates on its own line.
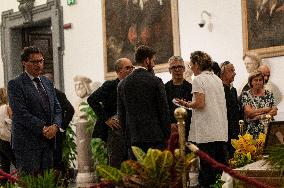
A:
(113, 123)
(50, 131)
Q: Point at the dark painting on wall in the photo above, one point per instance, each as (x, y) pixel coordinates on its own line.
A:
(130, 23)
(263, 27)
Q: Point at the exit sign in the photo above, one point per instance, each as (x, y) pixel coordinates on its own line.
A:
(71, 2)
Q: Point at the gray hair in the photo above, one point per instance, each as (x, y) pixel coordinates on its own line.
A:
(117, 64)
(175, 58)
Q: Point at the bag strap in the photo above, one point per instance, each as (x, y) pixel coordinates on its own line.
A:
(251, 98)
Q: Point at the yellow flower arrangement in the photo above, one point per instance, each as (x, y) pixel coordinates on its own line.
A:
(248, 150)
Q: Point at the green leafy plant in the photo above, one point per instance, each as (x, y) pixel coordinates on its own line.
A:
(152, 169)
(69, 152)
(9, 185)
(276, 157)
(218, 183)
(90, 115)
(99, 151)
(47, 180)
(69, 147)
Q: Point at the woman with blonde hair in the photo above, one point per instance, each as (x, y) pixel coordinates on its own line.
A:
(6, 154)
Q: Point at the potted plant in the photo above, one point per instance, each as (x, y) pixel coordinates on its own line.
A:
(155, 168)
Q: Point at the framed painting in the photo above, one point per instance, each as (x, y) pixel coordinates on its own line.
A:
(130, 23)
(263, 27)
(275, 134)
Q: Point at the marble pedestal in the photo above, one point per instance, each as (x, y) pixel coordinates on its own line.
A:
(84, 157)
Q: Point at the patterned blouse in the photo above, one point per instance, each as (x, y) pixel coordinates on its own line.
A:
(255, 127)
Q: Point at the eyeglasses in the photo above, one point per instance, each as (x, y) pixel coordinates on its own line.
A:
(178, 67)
(129, 67)
(37, 61)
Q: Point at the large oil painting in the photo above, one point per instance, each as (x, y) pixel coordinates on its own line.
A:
(263, 27)
(130, 23)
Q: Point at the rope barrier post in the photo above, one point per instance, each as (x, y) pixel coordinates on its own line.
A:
(265, 120)
(180, 114)
(241, 124)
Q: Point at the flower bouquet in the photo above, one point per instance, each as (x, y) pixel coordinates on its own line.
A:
(248, 150)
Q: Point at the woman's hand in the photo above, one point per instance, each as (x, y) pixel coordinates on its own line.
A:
(181, 102)
(254, 113)
(273, 111)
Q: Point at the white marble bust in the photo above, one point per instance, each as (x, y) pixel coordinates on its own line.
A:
(83, 90)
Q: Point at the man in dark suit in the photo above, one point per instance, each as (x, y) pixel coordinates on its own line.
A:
(104, 103)
(36, 115)
(142, 104)
(67, 115)
(227, 76)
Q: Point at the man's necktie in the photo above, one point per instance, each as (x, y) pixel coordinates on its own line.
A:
(42, 93)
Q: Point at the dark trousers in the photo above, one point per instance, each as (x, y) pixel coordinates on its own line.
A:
(116, 147)
(57, 154)
(6, 157)
(34, 161)
(207, 174)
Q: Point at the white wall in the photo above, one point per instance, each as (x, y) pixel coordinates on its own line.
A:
(84, 41)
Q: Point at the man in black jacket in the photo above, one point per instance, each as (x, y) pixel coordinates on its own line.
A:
(142, 104)
(104, 103)
(227, 76)
(67, 115)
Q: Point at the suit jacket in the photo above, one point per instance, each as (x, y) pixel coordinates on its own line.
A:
(233, 111)
(143, 108)
(66, 107)
(104, 103)
(29, 116)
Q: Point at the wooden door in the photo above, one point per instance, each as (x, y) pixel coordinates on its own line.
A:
(42, 38)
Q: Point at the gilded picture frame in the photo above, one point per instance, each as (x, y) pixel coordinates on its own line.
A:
(263, 27)
(130, 23)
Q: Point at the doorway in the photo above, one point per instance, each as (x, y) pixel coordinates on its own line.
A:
(40, 36)
(44, 30)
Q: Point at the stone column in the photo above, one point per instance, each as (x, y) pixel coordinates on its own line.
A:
(83, 139)
(84, 157)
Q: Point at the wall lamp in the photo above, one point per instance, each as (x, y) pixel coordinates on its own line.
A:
(202, 22)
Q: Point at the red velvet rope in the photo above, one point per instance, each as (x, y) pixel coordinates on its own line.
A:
(230, 171)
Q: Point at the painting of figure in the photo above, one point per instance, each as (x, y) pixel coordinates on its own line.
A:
(263, 27)
(130, 23)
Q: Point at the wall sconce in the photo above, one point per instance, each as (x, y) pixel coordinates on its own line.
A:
(202, 22)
